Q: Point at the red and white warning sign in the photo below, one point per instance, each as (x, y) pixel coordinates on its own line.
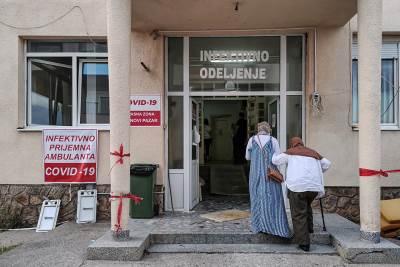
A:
(70, 156)
(145, 110)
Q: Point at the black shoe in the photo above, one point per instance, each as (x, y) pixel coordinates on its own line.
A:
(304, 247)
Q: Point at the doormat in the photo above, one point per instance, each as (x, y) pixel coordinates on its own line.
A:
(226, 215)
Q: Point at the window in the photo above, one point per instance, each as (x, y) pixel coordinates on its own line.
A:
(175, 130)
(67, 83)
(175, 64)
(51, 91)
(294, 63)
(93, 92)
(175, 103)
(294, 115)
(389, 85)
(66, 46)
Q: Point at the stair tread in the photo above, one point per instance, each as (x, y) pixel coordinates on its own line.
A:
(230, 238)
(206, 232)
(240, 248)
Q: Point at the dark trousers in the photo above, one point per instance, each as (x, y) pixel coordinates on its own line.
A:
(207, 143)
(239, 150)
(302, 218)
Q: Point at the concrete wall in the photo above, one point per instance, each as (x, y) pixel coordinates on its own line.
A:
(331, 132)
(147, 143)
(391, 11)
(21, 157)
(21, 162)
(390, 19)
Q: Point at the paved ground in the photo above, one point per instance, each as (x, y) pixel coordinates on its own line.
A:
(66, 246)
(231, 260)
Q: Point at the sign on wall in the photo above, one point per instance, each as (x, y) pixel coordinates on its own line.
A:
(70, 156)
(245, 65)
(145, 110)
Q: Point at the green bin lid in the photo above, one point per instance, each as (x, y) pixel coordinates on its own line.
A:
(143, 169)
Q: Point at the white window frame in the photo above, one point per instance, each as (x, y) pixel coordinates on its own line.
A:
(186, 94)
(80, 69)
(75, 56)
(29, 108)
(395, 126)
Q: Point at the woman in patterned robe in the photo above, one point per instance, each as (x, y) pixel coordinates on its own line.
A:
(268, 214)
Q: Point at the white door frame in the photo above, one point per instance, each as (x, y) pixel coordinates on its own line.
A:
(187, 117)
(186, 94)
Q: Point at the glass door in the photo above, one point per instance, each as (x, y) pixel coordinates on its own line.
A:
(268, 71)
(194, 195)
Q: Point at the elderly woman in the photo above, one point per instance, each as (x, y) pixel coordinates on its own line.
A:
(305, 182)
(268, 213)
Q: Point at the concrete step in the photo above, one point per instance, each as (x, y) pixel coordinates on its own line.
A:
(320, 238)
(240, 248)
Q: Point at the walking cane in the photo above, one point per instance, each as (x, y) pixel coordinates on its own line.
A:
(322, 213)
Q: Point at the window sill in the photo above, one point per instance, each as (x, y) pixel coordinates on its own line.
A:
(383, 128)
(41, 128)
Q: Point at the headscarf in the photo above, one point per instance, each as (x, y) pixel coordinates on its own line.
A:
(264, 127)
(297, 148)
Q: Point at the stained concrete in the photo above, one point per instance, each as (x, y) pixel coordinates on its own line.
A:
(188, 232)
(346, 239)
(64, 246)
(193, 231)
(231, 260)
(106, 248)
(181, 233)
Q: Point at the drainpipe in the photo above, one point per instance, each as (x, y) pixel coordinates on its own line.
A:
(119, 61)
(369, 81)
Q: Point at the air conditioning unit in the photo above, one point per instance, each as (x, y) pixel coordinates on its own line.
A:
(87, 202)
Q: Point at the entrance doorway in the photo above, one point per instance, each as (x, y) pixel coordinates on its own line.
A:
(216, 86)
(226, 124)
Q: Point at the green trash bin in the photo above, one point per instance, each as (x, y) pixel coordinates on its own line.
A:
(143, 179)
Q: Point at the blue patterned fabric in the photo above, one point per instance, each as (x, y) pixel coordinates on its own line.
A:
(268, 214)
